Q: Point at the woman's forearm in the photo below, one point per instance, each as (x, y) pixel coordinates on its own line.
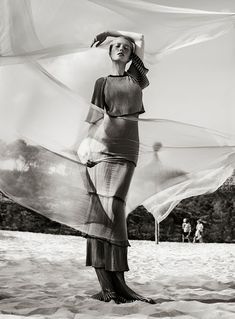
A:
(134, 36)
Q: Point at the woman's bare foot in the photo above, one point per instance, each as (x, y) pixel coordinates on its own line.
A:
(107, 296)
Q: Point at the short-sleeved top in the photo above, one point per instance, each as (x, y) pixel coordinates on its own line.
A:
(120, 95)
(186, 227)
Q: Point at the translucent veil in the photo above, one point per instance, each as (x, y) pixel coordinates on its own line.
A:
(47, 76)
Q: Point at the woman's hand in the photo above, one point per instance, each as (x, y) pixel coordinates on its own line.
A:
(84, 151)
(100, 38)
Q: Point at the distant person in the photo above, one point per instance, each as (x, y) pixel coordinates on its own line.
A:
(186, 230)
(199, 231)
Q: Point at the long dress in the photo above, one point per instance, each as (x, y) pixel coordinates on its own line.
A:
(110, 177)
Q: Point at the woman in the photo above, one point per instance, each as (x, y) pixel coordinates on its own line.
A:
(111, 152)
(198, 232)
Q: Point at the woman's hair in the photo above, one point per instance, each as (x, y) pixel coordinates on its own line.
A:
(129, 40)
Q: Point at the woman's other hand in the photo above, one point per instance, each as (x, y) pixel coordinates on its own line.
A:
(100, 38)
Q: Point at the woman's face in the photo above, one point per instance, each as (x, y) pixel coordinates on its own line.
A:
(121, 50)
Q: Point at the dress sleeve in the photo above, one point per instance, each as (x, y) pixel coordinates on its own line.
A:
(98, 100)
(138, 71)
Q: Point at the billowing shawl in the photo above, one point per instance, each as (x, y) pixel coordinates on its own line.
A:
(47, 75)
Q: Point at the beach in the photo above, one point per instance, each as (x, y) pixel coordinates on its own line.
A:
(44, 276)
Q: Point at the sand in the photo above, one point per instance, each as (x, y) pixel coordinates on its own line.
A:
(43, 276)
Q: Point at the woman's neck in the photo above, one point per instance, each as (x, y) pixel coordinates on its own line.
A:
(118, 68)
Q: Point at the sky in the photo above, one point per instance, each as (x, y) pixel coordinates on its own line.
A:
(198, 80)
(196, 85)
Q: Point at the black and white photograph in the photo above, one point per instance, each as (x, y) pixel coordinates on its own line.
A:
(117, 159)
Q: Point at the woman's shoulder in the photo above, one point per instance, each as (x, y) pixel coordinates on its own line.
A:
(99, 83)
(101, 79)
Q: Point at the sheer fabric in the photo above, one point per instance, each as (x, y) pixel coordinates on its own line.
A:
(47, 77)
